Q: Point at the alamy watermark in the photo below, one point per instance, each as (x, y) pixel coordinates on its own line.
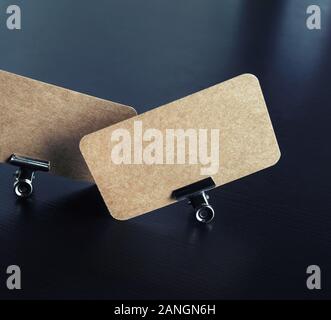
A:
(14, 278)
(314, 279)
(314, 20)
(171, 146)
(14, 17)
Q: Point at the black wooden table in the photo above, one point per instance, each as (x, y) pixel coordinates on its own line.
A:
(269, 226)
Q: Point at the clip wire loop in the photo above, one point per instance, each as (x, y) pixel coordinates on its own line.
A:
(195, 193)
(25, 174)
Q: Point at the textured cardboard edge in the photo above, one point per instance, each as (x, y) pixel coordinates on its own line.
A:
(105, 106)
(84, 140)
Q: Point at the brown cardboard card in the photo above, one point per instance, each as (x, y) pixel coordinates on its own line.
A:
(46, 122)
(137, 165)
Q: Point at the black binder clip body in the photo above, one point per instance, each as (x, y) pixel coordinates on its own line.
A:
(24, 176)
(195, 193)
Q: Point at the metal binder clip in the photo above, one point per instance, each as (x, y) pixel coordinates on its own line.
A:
(25, 174)
(196, 194)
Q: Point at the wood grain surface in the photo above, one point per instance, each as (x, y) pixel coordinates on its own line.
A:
(269, 227)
